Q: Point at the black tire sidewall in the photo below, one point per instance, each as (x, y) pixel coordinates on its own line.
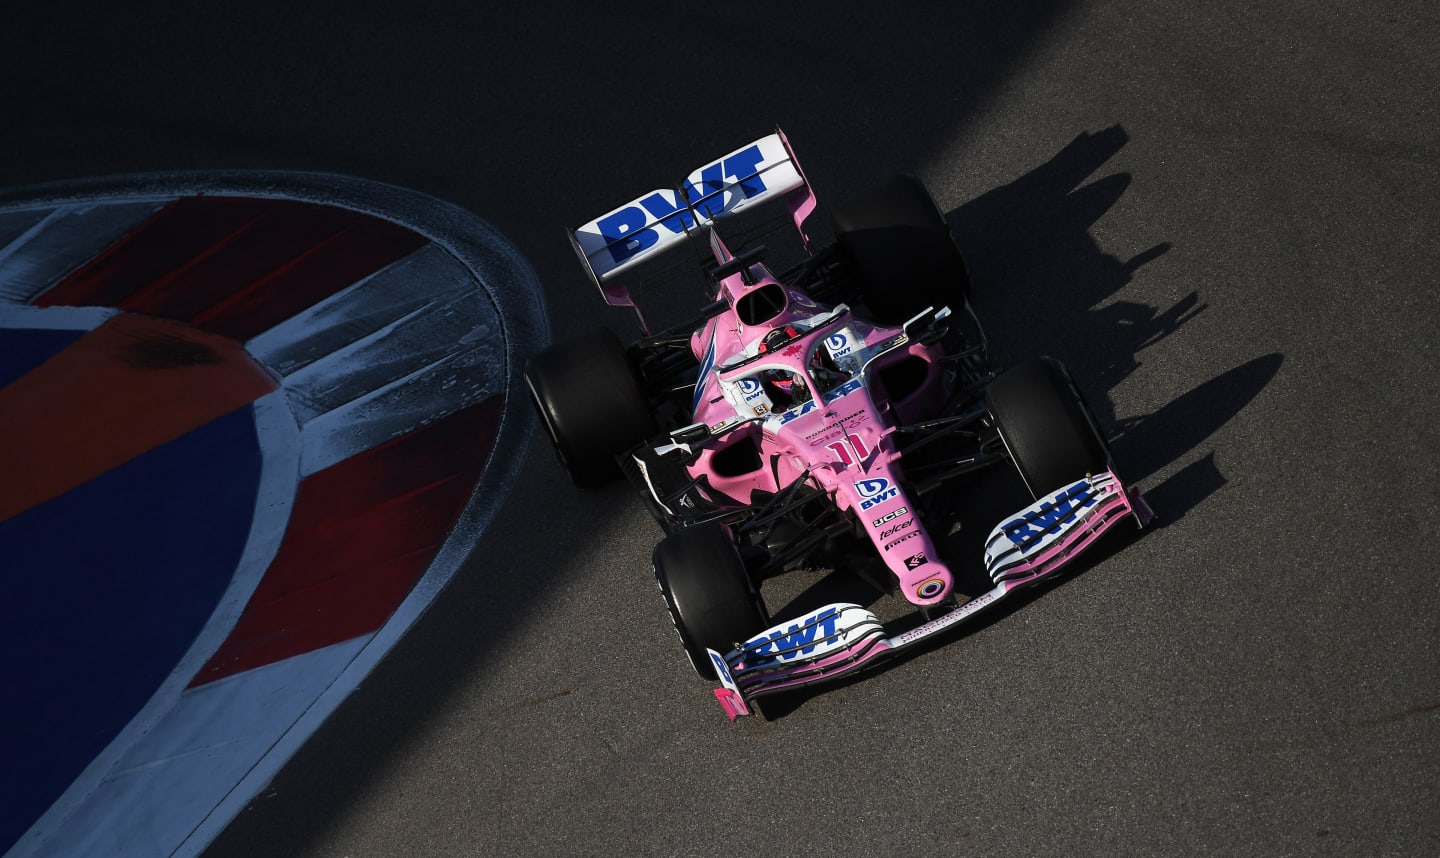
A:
(1048, 431)
(590, 403)
(899, 247)
(711, 599)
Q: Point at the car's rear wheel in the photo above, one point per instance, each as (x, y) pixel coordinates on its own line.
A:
(711, 598)
(591, 403)
(900, 248)
(1045, 425)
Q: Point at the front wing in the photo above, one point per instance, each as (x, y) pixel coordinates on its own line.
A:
(841, 638)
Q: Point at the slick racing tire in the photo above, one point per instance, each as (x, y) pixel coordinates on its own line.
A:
(1045, 425)
(709, 593)
(590, 403)
(899, 247)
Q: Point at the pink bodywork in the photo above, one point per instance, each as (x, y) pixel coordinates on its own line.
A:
(839, 437)
(845, 636)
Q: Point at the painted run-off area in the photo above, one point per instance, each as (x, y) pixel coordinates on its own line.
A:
(218, 487)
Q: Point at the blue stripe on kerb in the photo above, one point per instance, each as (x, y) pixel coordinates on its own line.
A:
(105, 587)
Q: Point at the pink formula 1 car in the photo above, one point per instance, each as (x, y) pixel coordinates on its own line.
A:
(815, 417)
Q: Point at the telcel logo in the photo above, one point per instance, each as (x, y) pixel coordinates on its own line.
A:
(875, 492)
(626, 233)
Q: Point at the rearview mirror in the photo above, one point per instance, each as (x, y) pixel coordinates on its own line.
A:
(928, 326)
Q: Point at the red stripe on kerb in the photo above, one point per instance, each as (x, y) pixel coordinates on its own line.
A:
(165, 242)
(341, 259)
(361, 533)
(129, 386)
(278, 233)
(233, 265)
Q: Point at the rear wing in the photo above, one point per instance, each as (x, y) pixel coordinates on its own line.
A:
(619, 241)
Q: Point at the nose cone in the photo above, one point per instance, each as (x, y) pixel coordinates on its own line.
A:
(924, 581)
(900, 537)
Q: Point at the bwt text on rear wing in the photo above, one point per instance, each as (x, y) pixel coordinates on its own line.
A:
(616, 242)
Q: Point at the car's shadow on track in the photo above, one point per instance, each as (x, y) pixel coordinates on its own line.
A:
(1039, 277)
(1147, 444)
(1042, 283)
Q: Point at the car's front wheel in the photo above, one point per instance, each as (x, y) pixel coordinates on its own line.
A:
(708, 590)
(1045, 425)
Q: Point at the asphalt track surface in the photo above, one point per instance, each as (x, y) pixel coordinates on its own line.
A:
(1224, 218)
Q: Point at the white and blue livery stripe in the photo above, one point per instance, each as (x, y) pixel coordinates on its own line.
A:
(706, 364)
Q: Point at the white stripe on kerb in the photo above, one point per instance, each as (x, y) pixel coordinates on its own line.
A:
(65, 239)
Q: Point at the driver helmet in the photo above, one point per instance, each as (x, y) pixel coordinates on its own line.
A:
(785, 388)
